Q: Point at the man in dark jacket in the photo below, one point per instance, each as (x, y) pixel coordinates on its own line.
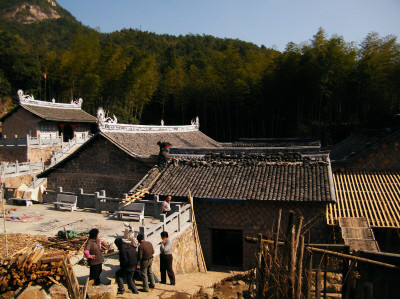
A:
(128, 262)
(145, 255)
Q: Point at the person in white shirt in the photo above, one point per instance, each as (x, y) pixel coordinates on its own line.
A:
(166, 207)
(166, 259)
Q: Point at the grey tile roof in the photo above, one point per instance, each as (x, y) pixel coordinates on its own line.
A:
(145, 144)
(58, 114)
(279, 177)
(360, 142)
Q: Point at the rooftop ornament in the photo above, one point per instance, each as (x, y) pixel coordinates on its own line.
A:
(108, 124)
(30, 100)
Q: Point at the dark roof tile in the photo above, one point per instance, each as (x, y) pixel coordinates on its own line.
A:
(257, 177)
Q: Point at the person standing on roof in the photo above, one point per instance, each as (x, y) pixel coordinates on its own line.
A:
(94, 255)
(163, 155)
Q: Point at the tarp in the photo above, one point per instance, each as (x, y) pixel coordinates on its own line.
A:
(34, 194)
(20, 191)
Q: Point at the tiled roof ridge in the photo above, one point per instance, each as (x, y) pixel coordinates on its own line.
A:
(223, 159)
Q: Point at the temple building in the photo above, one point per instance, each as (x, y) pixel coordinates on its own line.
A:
(119, 155)
(47, 119)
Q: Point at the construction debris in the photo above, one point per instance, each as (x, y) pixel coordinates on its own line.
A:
(132, 197)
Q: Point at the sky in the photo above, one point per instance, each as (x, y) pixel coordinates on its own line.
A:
(272, 23)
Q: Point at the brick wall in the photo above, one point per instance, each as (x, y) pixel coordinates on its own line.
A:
(13, 153)
(100, 166)
(252, 218)
(385, 157)
(19, 123)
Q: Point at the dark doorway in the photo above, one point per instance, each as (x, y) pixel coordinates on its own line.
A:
(68, 133)
(227, 247)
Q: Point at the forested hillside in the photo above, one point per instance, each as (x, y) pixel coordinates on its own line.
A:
(323, 88)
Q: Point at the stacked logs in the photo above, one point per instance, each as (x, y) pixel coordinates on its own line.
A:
(31, 266)
(72, 244)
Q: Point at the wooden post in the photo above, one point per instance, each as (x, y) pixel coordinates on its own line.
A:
(298, 230)
(4, 220)
(325, 274)
(318, 284)
(258, 269)
(309, 276)
(278, 226)
(291, 254)
(300, 268)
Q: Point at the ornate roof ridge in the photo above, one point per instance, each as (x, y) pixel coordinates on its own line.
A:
(30, 100)
(250, 160)
(110, 125)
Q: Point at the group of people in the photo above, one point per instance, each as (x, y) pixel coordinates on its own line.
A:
(131, 259)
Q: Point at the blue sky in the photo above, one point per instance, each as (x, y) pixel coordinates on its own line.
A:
(267, 22)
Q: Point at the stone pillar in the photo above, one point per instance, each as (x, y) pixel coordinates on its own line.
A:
(162, 220)
(97, 202)
(155, 206)
(178, 209)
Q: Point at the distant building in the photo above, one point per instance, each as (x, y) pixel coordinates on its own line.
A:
(117, 158)
(35, 129)
(237, 193)
(47, 119)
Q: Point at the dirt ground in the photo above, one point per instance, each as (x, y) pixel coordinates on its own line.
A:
(45, 222)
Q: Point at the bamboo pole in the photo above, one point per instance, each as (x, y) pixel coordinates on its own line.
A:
(318, 284)
(4, 220)
(300, 268)
(278, 226)
(355, 258)
(196, 233)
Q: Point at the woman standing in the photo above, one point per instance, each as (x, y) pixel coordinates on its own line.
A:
(94, 255)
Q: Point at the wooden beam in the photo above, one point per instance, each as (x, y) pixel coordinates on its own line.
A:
(355, 258)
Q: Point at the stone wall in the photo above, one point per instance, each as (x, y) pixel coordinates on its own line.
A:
(16, 181)
(13, 153)
(186, 259)
(252, 218)
(384, 157)
(20, 123)
(35, 154)
(99, 166)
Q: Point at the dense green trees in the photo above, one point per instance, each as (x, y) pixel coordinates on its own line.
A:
(322, 88)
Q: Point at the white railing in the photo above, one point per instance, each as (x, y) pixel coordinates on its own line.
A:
(176, 222)
(65, 150)
(30, 141)
(13, 168)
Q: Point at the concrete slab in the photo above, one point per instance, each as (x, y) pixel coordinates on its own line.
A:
(54, 220)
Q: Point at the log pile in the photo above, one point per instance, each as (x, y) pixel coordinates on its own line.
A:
(73, 244)
(31, 266)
